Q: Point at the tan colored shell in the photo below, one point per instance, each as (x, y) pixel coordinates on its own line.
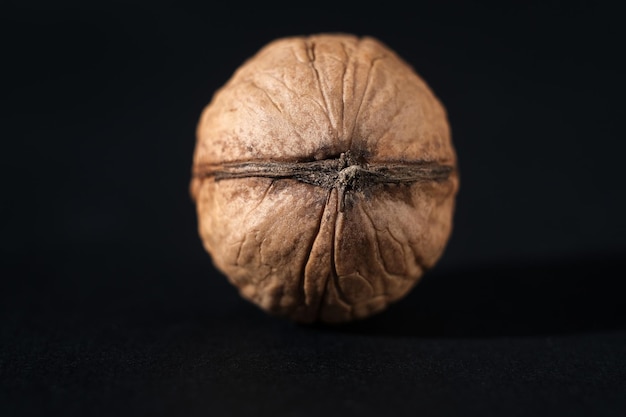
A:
(293, 247)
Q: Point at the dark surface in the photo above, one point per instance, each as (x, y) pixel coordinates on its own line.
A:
(517, 341)
(109, 305)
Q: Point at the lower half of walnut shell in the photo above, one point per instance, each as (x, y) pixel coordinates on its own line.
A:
(312, 253)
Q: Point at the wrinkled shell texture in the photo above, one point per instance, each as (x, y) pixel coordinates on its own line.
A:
(311, 252)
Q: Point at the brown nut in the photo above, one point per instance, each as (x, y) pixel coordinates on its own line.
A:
(324, 177)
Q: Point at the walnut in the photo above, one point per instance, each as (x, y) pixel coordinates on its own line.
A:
(324, 178)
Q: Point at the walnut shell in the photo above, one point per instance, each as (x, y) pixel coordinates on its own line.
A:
(324, 178)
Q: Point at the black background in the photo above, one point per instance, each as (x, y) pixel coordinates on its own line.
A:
(110, 306)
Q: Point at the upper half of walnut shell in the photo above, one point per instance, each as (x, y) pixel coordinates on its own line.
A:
(313, 98)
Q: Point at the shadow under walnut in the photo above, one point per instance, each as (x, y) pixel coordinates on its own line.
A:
(324, 178)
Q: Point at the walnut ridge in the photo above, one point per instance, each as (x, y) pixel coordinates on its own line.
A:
(324, 178)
